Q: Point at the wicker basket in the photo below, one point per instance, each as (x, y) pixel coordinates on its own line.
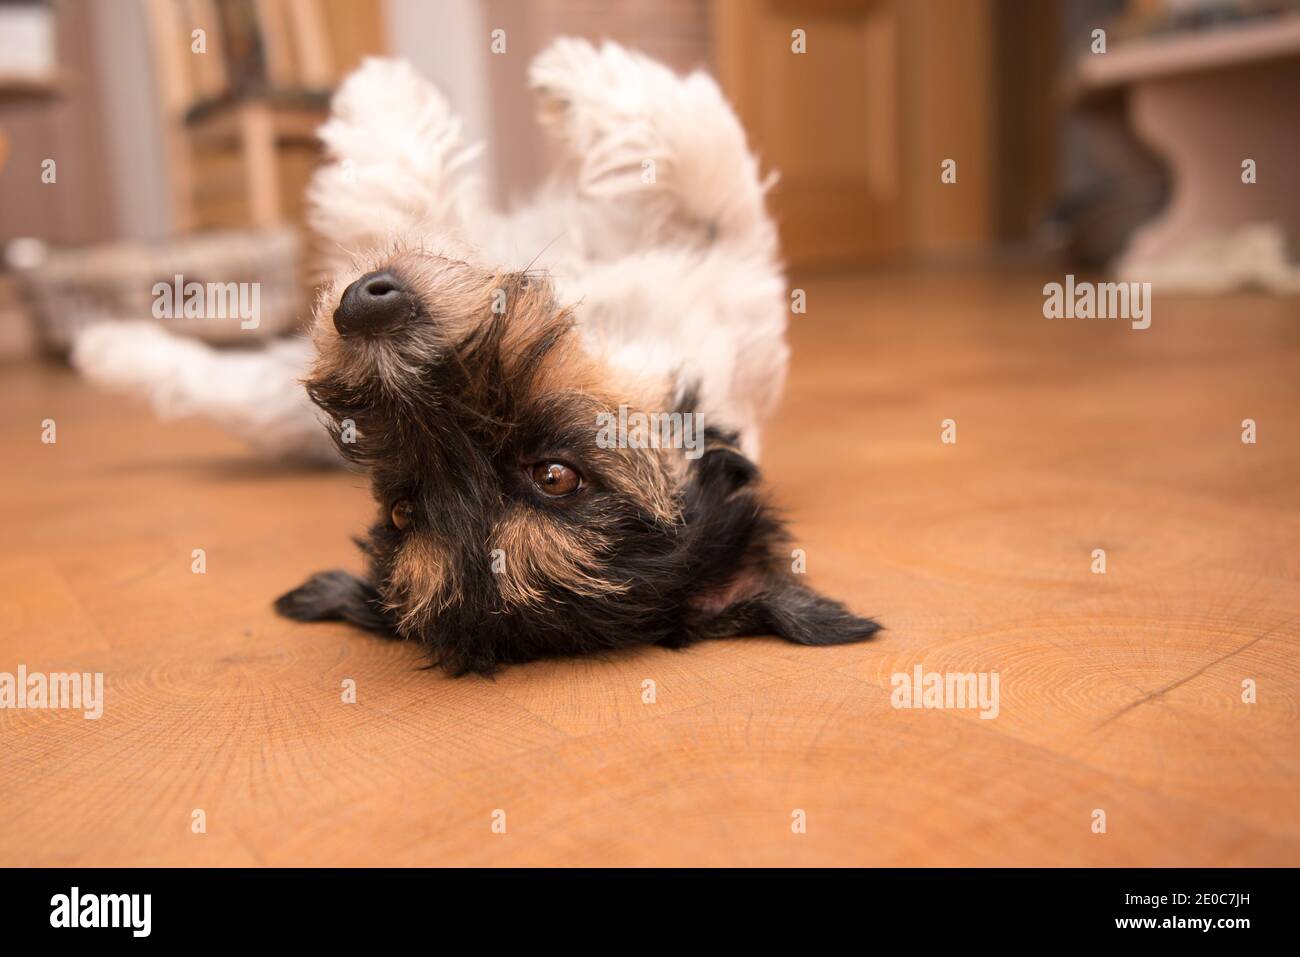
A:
(69, 289)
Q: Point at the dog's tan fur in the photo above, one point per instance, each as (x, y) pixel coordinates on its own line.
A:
(458, 298)
(534, 550)
(422, 582)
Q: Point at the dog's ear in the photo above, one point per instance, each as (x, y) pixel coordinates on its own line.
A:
(745, 585)
(335, 595)
(792, 611)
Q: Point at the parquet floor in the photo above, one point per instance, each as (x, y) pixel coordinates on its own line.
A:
(1120, 692)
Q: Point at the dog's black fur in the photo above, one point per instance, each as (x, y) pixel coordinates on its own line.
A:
(725, 527)
(450, 440)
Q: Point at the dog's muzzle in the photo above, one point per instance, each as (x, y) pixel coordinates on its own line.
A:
(377, 302)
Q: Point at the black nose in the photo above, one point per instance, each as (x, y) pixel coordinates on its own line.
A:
(374, 303)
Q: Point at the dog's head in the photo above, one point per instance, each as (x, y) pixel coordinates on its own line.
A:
(532, 500)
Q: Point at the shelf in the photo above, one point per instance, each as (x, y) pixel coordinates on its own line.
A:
(1193, 52)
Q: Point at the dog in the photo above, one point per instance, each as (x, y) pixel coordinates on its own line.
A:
(483, 369)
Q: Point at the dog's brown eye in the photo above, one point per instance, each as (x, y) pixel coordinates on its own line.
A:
(556, 479)
(402, 513)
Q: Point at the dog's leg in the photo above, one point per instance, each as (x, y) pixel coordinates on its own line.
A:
(397, 163)
(253, 394)
(668, 149)
(682, 273)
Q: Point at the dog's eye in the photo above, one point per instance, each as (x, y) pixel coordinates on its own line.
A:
(402, 513)
(556, 479)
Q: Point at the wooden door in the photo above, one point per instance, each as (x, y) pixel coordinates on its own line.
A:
(861, 124)
(817, 87)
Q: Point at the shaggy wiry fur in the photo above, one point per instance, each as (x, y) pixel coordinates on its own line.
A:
(461, 354)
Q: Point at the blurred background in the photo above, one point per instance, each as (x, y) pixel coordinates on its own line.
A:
(140, 138)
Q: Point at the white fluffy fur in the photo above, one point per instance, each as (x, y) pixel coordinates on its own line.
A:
(256, 395)
(675, 276)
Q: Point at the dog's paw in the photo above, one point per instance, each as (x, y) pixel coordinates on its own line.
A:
(387, 113)
(333, 596)
(640, 131)
(602, 102)
(386, 93)
(398, 163)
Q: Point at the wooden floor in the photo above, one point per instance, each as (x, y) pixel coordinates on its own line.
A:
(1120, 692)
